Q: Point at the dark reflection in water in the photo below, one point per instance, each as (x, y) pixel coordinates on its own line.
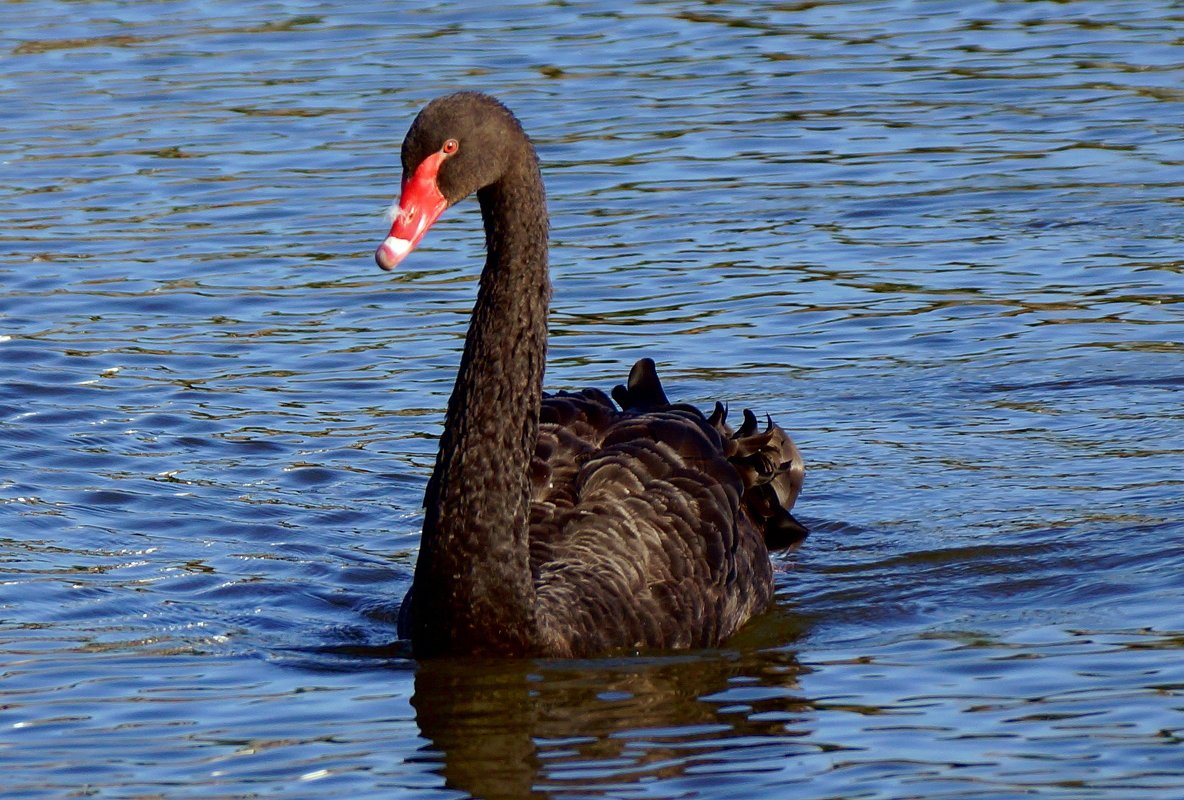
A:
(519, 729)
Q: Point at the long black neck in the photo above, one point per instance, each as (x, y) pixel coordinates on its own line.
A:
(473, 589)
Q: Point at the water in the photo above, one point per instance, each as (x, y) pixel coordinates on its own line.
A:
(939, 241)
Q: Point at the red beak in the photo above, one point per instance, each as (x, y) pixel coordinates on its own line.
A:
(420, 204)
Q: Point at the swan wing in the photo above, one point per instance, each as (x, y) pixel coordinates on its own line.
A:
(651, 523)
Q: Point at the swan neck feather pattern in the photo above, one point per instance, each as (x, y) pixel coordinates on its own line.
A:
(473, 578)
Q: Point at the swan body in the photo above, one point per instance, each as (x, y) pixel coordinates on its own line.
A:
(569, 524)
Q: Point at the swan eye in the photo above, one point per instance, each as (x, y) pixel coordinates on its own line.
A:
(450, 147)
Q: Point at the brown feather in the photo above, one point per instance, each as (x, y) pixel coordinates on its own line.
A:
(645, 516)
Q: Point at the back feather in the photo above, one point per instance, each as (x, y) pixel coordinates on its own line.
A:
(651, 524)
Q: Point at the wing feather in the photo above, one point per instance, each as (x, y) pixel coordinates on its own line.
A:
(651, 523)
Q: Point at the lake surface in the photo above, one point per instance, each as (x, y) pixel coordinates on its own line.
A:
(941, 242)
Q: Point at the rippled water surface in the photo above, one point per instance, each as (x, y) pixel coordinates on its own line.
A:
(939, 241)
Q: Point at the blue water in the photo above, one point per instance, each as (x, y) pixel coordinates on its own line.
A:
(940, 242)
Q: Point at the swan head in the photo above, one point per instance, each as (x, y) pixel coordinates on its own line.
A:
(457, 145)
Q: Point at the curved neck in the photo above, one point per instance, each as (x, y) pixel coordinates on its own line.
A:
(473, 589)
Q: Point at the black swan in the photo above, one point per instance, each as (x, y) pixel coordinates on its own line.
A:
(563, 525)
